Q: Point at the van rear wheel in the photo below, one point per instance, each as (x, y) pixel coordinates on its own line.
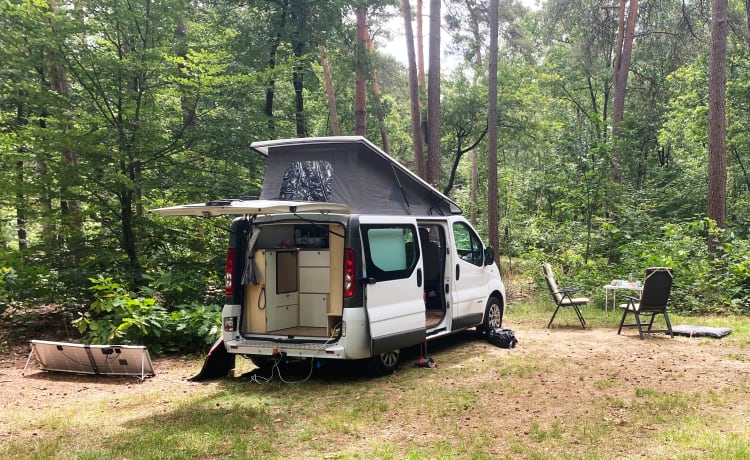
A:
(493, 316)
(384, 363)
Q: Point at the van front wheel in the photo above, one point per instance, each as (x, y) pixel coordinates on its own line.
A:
(493, 316)
(384, 363)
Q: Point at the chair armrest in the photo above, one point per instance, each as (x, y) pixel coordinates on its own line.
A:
(568, 290)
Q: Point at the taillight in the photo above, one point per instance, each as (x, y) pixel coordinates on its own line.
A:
(228, 279)
(350, 273)
(230, 324)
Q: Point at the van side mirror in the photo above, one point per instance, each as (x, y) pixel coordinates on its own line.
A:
(489, 256)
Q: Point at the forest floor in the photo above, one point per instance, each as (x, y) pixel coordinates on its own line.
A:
(569, 368)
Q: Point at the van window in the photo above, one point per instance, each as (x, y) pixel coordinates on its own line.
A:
(389, 251)
(307, 181)
(468, 244)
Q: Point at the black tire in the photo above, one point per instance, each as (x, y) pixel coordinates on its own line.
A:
(384, 363)
(493, 316)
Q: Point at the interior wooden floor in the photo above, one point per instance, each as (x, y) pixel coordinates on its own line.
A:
(301, 330)
(432, 318)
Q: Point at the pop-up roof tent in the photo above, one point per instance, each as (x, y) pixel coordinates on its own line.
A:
(347, 170)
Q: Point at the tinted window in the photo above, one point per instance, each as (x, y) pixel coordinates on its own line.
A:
(468, 244)
(390, 252)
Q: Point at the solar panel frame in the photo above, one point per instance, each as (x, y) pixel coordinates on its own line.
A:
(116, 360)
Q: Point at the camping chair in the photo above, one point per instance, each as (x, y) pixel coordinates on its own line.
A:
(563, 297)
(652, 302)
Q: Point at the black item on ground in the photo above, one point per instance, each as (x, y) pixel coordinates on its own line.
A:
(503, 338)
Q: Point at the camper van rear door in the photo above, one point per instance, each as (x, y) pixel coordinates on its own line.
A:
(241, 207)
(395, 302)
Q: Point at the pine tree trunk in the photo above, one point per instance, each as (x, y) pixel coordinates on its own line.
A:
(621, 69)
(376, 93)
(492, 201)
(360, 95)
(335, 130)
(416, 126)
(433, 98)
(717, 161)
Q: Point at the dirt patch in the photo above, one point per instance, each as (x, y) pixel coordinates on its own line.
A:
(550, 378)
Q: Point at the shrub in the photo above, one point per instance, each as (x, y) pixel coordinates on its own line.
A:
(118, 315)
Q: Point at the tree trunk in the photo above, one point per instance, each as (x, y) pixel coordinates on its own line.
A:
(72, 222)
(335, 130)
(433, 98)
(420, 45)
(492, 201)
(376, 92)
(360, 94)
(20, 201)
(298, 81)
(621, 68)
(717, 161)
(416, 127)
(271, 83)
(474, 171)
(421, 74)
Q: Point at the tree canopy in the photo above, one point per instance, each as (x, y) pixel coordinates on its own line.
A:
(108, 109)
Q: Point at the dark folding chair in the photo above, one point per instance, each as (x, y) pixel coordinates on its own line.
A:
(563, 297)
(652, 302)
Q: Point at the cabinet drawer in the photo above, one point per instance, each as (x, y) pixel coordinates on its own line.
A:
(314, 258)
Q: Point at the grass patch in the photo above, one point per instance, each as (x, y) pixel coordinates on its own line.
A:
(481, 402)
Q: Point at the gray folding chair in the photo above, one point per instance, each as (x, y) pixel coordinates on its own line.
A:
(652, 302)
(563, 296)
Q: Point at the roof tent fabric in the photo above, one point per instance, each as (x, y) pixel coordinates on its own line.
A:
(347, 170)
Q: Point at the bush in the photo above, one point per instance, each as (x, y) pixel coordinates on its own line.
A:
(118, 315)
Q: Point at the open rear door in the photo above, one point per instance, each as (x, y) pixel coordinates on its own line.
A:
(394, 283)
(241, 207)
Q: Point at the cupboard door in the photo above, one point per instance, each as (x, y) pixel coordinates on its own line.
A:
(312, 310)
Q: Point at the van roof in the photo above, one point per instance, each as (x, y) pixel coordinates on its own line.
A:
(349, 170)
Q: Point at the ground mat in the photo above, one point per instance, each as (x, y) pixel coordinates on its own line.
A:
(701, 331)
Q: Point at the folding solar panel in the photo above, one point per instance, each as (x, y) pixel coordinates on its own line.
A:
(129, 360)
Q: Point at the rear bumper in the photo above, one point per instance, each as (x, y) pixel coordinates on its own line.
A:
(323, 350)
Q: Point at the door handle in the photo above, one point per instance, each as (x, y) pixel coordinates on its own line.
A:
(458, 272)
(419, 277)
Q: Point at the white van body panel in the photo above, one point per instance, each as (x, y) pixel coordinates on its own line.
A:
(470, 280)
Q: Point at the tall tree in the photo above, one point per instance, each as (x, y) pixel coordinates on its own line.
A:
(433, 98)
(335, 128)
(492, 201)
(621, 68)
(416, 124)
(360, 92)
(717, 162)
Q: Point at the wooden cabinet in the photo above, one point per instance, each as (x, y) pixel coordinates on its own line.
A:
(272, 304)
(314, 287)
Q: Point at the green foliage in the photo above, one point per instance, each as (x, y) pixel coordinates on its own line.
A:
(120, 316)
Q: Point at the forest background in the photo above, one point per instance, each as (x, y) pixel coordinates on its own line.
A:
(109, 108)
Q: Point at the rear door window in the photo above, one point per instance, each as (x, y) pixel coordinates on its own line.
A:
(390, 251)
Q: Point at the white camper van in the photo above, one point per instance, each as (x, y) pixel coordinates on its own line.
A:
(347, 255)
